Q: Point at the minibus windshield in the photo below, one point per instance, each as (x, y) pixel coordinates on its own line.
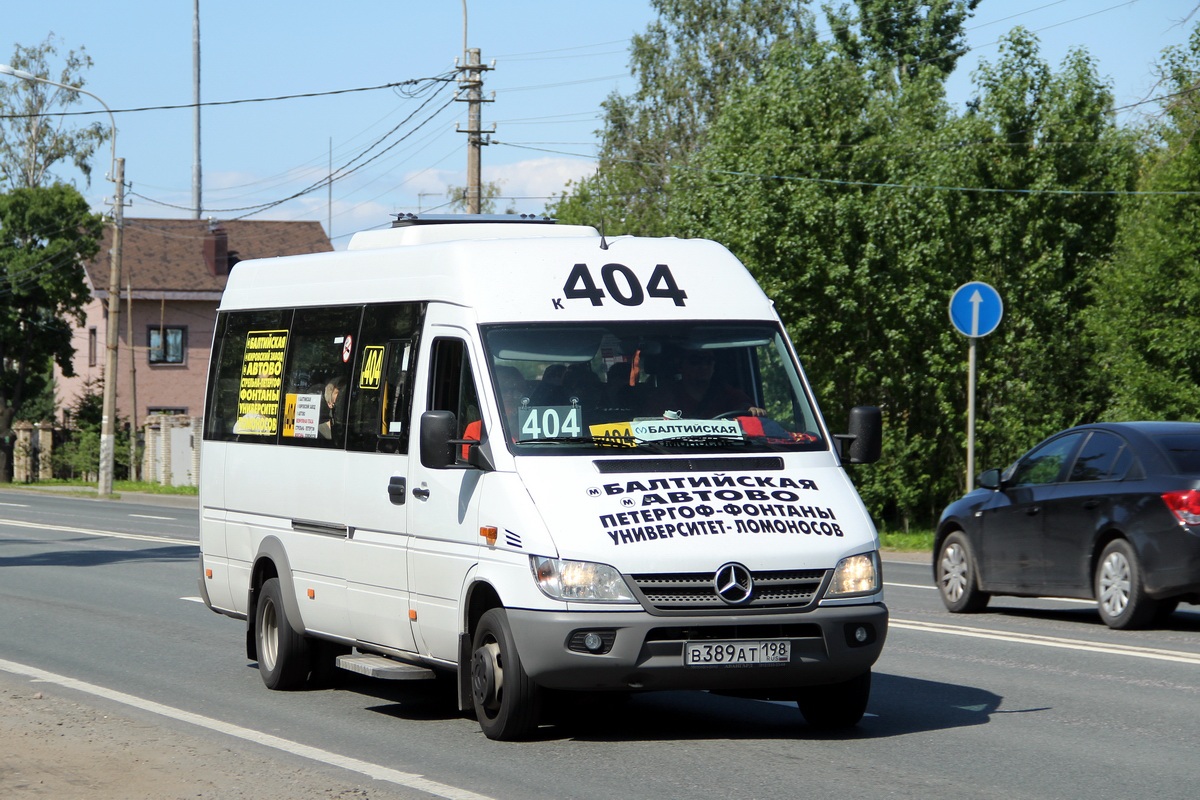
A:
(649, 387)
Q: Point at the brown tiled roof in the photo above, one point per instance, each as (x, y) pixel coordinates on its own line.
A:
(167, 255)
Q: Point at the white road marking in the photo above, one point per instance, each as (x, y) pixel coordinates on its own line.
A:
(407, 779)
(193, 599)
(14, 505)
(934, 589)
(13, 523)
(148, 516)
(1048, 641)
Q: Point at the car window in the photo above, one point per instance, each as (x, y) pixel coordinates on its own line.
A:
(1044, 464)
(1098, 456)
(1184, 451)
(1122, 465)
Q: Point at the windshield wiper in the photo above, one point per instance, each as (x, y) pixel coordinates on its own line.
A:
(704, 440)
(599, 441)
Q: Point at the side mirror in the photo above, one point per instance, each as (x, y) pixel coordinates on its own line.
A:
(437, 433)
(440, 450)
(989, 479)
(864, 442)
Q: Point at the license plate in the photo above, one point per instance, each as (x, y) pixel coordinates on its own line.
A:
(737, 654)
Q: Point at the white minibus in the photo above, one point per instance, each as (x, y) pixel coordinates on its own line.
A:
(539, 461)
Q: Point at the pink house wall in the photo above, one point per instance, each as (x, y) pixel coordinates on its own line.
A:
(178, 386)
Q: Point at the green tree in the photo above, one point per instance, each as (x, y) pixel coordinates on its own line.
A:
(489, 192)
(46, 234)
(800, 176)
(901, 39)
(1046, 139)
(860, 202)
(79, 455)
(685, 63)
(32, 139)
(1143, 316)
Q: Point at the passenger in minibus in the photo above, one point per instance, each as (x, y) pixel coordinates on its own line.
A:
(513, 390)
(331, 412)
(699, 395)
(618, 387)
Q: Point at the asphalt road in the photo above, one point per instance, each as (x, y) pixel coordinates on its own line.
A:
(1035, 699)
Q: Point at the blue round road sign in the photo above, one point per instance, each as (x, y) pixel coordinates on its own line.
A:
(976, 309)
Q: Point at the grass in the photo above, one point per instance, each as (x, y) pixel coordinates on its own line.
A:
(143, 487)
(913, 541)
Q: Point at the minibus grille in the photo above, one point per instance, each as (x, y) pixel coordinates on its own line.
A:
(696, 591)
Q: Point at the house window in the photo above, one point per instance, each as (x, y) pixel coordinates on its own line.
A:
(170, 411)
(168, 343)
(92, 347)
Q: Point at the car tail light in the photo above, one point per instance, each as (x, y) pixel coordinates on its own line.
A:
(1185, 505)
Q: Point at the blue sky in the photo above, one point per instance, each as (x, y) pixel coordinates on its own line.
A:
(556, 61)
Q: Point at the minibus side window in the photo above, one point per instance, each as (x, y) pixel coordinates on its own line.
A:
(245, 393)
(317, 376)
(452, 387)
(381, 389)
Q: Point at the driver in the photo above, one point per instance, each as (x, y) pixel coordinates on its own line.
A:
(698, 396)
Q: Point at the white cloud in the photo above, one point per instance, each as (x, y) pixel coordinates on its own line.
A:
(538, 178)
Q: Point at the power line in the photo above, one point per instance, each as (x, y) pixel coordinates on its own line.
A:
(872, 184)
(446, 78)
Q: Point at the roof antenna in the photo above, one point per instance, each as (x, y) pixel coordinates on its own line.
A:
(603, 241)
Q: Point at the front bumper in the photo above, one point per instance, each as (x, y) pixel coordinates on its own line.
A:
(647, 651)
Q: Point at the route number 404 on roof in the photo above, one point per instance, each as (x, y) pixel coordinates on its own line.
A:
(622, 285)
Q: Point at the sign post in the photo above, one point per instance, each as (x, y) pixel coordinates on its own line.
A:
(975, 312)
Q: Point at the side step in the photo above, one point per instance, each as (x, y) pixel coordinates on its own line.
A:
(385, 668)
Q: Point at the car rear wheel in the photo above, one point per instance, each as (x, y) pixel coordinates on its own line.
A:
(283, 654)
(958, 577)
(1120, 595)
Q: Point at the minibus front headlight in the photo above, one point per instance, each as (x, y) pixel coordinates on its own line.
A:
(580, 581)
(855, 575)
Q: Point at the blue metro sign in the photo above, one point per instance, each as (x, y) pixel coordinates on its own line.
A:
(976, 309)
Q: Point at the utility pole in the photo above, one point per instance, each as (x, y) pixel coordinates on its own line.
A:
(196, 190)
(133, 417)
(470, 83)
(108, 416)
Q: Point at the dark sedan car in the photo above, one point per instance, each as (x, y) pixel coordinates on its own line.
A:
(1109, 512)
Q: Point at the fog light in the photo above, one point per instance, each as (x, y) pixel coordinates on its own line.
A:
(859, 634)
(596, 642)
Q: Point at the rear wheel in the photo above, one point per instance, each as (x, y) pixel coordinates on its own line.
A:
(1120, 595)
(837, 706)
(958, 577)
(283, 655)
(507, 703)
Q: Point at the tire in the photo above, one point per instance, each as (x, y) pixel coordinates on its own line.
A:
(507, 703)
(284, 658)
(1120, 595)
(838, 706)
(958, 576)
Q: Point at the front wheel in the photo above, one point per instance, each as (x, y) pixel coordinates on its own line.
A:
(283, 654)
(837, 706)
(506, 701)
(958, 576)
(1120, 595)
